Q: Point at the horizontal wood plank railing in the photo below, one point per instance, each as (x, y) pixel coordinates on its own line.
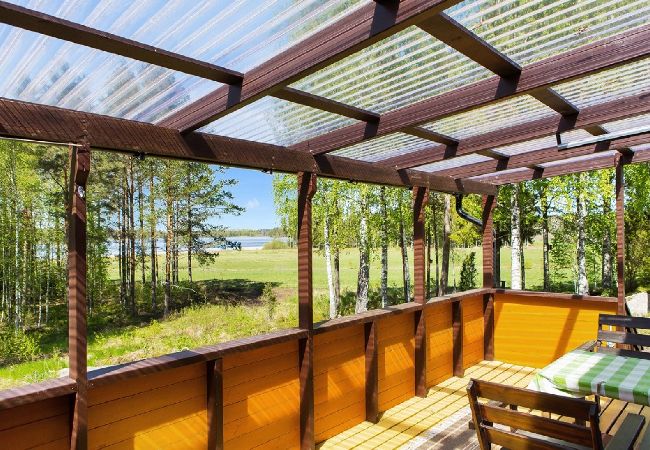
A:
(533, 329)
(244, 393)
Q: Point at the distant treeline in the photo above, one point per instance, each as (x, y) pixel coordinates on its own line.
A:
(276, 232)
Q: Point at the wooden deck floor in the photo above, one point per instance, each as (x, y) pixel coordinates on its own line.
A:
(412, 424)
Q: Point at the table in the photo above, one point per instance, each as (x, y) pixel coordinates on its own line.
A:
(580, 373)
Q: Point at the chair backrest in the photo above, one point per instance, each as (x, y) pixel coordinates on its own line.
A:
(627, 324)
(523, 430)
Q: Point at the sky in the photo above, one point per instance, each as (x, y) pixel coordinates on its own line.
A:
(254, 192)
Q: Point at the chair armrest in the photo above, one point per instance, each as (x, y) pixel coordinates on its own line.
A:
(588, 346)
(627, 434)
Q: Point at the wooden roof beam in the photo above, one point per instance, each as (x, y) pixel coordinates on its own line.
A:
(356, 31)
(38, 22)
(23, 120)
(588, 59)
(589, 118)
(456, 36)
(545, 155)
(325, 104)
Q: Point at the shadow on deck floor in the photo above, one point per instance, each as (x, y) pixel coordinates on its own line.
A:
(440, 420)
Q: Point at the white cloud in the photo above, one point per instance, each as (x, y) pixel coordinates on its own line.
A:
(253, 203)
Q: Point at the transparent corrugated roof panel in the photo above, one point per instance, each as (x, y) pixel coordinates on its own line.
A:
(627, 124)
(385, 147)
(613, 84)
(493, 117)
(504, 173)
(274, 121)
(528, 31)
(238, 35)
(397, 71)
(40, 69)
(578, 159)
(454, 163)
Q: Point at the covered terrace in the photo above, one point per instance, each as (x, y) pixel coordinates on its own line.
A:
(432, 95)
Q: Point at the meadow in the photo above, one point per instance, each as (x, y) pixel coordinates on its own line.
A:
(232, 305)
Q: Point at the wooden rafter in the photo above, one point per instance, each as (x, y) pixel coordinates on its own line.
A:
(455, 35)
(588, 59)
(79, 34)
(325, 104)
(598, 162)
(354, 32)
(588, 118)
(544, 155)
(46, 123)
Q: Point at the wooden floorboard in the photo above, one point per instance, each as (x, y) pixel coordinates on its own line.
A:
(401, 424)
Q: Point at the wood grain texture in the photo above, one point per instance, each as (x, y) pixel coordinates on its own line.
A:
(43, 423)
(473, 328)
(535, 330)
(154, 410)
(261, 398)
(439, 343)
(339, 381)
(396, 360)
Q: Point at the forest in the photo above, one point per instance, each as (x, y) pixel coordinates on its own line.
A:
(163, 274)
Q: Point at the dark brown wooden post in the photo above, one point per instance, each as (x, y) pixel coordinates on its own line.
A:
(457, 337)
(372, 372)
(306, 191)
(77, 331)
(420, 198)
(215, 404)
(489, 202)
(620, 233)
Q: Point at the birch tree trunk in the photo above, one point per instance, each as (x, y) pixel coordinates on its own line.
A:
(583, 283)
(405, 260)
(364, 263)
(383, 290)
(334, 307)
(446, 247)
(606, 252)
(545, 243)
(515, 240)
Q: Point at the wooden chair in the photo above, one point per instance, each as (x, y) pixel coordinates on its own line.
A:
(500, 422)
(627, 336)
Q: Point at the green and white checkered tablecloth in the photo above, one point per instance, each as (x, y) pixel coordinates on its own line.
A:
(581, 373)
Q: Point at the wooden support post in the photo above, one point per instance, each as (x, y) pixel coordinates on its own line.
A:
(215, 404)
(620, 233)
(372, 372)
(489, 203)
(457, 337)
(306, 191)
(488, 327)
(420, 199)
(77, 330)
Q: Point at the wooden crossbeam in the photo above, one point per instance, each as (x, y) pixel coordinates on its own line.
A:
(325, 104)
(588, 118)
(595, 163)
(23, 120)
(545, 155)
(455, 35)
(356, 31)
(38, 22)
(429, 135)
(588, 59)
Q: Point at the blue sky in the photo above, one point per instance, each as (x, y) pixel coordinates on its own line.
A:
(255, 193)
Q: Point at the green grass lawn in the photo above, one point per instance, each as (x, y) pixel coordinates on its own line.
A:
(206, 324)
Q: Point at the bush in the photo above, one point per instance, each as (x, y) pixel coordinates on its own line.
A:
(468, 273)
(17, 346)
(275, 244)
(269, 299)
